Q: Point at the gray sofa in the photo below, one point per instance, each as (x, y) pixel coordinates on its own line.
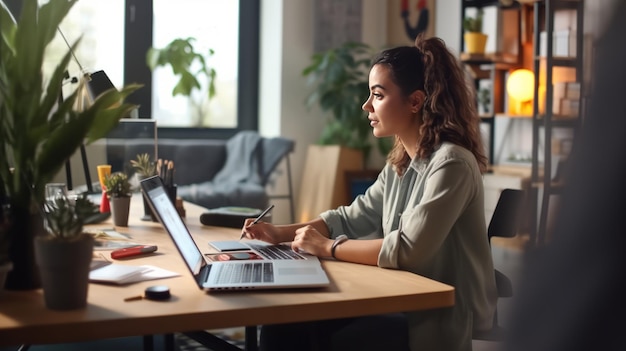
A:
(212, 173)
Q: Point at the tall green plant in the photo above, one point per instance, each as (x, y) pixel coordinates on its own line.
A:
(187, 64)
(37, 133)
(340, 80)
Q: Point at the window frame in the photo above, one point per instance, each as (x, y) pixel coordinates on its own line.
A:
(138, 39)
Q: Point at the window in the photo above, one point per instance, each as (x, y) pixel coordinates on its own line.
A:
(214, 25)
(155, 21)
(116, 37)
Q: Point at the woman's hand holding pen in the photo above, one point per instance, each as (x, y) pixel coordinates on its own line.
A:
(305, 238)
(261, 231)
(256, 229)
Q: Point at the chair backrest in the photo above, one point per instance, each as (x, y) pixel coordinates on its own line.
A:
(273, 150)
(503, 223)
(506, 216)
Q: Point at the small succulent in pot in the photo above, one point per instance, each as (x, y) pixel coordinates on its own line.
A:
(63, 218)
(117, 185)
(143, 165)
(474, 24)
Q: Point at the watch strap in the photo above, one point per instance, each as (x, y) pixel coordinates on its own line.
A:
(338, 240)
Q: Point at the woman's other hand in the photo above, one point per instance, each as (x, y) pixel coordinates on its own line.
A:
(311, 241)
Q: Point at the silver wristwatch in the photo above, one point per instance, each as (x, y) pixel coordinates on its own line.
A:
(338, 240)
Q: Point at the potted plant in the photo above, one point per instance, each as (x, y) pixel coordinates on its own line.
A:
(119, 192)
(37, 132)
(339, 77)
(182, 57)
(64, 254)
(475, 39)
(144, 167)
(340, 80)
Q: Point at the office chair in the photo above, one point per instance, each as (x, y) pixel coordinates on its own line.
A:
(504, 223)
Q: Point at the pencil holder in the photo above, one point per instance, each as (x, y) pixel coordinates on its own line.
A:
(171, 192)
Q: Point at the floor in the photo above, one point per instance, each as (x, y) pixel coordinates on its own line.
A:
(507, 255)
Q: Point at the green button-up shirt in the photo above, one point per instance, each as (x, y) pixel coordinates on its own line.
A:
(432, 223)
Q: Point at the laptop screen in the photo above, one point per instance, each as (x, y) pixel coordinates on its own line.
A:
(174, 225)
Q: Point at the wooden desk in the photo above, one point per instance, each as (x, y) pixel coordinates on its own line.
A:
(355, 290)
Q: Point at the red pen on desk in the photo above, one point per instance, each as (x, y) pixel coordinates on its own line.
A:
(133, 251)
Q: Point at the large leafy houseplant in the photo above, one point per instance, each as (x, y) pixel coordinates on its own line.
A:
(340, 80)
(188, 65)
(37, 133)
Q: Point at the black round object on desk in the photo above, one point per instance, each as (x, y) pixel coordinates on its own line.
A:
(157, 292)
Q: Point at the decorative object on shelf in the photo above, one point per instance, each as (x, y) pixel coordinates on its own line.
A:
(406, 19)
(521, 88)
(118, 191)
(340, 78)
(38, 133)
(64, 254)
(475, 39)
(145, 167)
(181, 56)
(484, 100)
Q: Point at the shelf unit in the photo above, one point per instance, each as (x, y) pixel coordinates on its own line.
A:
(545, 178)
(491, 67)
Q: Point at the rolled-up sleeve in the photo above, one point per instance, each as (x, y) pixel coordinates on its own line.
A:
(362, 217)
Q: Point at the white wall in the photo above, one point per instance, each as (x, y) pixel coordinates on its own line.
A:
(448, 23)
(286, 48)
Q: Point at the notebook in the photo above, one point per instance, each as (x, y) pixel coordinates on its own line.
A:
(229, 275)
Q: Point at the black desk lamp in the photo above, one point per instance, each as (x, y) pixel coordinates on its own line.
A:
(91, 86)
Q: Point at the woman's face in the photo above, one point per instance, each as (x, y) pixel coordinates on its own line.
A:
(389, 111)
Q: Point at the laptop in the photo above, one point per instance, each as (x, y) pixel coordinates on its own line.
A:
(229, 275)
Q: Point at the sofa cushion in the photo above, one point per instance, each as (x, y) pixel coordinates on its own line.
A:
(195, 160)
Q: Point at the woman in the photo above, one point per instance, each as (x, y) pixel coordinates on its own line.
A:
(426, 206)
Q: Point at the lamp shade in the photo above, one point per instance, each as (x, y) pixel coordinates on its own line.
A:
(98, 83)
(521, 85)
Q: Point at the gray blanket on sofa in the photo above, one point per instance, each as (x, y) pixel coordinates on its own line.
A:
(238, 183)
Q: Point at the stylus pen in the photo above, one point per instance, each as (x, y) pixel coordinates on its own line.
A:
(260, 217)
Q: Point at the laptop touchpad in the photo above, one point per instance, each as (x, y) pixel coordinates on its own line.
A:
(297, 270)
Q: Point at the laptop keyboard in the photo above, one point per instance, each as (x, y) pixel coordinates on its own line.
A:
(276, 252)
(245, 273)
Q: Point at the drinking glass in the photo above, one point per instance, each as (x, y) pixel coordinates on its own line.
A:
(55, 190)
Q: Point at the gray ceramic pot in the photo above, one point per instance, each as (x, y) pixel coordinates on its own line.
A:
(64, 268)
(120, 208)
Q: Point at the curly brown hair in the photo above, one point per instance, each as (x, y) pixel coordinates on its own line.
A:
(449, 111)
